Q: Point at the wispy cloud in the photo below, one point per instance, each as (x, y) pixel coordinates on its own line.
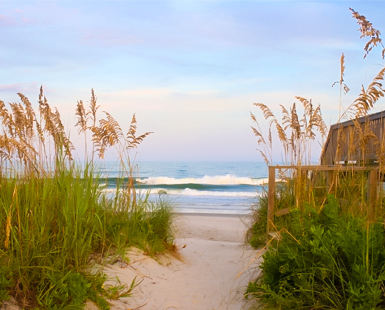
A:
(140, 92)
(6, 20)
(108, 38)
(189, 69)
(15, 17)
(19, 87)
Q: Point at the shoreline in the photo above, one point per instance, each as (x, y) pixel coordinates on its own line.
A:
(213, 214)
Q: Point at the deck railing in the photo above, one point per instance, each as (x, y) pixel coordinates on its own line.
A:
(372, 187)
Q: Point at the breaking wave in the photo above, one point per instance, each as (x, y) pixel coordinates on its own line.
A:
(208, 180)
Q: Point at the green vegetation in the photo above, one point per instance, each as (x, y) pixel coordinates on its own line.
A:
(328, 251)
(55, 218)
(325, 260)
(256, 234)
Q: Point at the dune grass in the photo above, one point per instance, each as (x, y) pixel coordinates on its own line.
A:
(328, 251)
(55, 218)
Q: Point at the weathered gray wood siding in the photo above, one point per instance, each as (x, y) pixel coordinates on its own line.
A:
(355, 141)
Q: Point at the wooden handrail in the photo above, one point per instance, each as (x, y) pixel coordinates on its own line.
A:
(371, 193)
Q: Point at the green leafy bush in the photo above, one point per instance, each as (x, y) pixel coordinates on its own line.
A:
(325, 260)
(71, 290)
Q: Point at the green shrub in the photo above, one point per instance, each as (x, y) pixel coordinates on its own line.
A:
(328, 260)
(71, 290)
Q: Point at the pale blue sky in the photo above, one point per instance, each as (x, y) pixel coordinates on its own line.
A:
(190, 70)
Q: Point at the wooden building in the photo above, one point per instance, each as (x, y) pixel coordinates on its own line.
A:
(357, 142)
(356, 145)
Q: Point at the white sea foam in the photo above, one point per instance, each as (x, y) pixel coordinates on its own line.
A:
(205, 210)
(191, 192)
(194, 192)
(208, 180)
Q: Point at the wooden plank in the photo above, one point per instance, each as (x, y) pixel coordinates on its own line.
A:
(374, 122)
(325, 168)
(275, 235)
(281, 212)
(368, 118)
(270, 199)
(372, 194)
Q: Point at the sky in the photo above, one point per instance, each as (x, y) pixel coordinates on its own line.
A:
(189, 70)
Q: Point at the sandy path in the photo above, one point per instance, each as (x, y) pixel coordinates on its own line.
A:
(213, 254)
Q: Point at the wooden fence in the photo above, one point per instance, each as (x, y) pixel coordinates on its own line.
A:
(372, 192)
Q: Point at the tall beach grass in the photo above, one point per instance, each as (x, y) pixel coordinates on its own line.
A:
(328, 251)
(55, 218)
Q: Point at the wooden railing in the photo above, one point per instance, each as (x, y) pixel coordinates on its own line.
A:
(372, 192)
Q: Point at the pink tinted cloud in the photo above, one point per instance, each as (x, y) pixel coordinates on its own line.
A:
(6, 20)
(16, 19)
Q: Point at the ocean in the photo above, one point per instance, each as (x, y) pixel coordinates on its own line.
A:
(198, 187)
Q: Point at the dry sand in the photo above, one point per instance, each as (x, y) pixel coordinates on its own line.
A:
(214, 254)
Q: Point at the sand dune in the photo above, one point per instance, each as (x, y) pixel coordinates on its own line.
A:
(207, 277)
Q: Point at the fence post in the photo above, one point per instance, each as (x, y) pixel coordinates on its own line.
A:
(270, 199)
(372, 193)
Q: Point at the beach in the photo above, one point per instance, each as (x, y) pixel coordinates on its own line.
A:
(212, 272)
